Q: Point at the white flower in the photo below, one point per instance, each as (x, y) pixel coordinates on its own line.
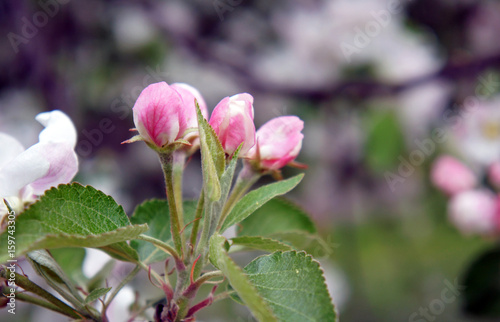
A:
(474, 212)
(477, 133)
(25, 174)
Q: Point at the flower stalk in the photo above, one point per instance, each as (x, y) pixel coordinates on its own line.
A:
(167, 162)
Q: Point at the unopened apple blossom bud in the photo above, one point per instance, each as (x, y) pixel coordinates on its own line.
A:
(494, 174)
(278, 143)
(474, 212)
(232, 121)
(160, 115)
(452, 176)
(188, 95)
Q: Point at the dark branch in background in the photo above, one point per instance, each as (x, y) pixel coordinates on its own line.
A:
(30, 66)
(201, 48)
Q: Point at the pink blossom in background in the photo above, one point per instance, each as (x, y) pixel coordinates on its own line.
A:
(494, 174)
(278, 142)
(232, 121)
(452, 176)
(160, 114)
(474, 212)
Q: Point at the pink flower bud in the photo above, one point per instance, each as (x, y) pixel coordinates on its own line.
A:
(159, 114)
(494, 174)
(474, 212)
(278, 142)
(188, 94)
(232, 121)
(452, 176)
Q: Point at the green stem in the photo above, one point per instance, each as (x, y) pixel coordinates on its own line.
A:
(167, 162)
(124, 282)
(182, 302)
(36, 301)
(161, 245)
(153, 273)
(198, 215)
(223, 295)
(207, 276)
(29, 286)
(246, 179)
(178, 171)
(202, 247)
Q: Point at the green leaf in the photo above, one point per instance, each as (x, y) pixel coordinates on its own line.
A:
(74, 216)
(215, 208)
(122, 251)
(45, 265)
(257, 198)
(275, 216)
(96, 294)
(212, 141)
(260, 243)
(385, 141)
(286, 222)
(226, 179)
(213, 158)
(300, 240)
(293, 286)
(71, 261)
(155, 213)
(239, 281)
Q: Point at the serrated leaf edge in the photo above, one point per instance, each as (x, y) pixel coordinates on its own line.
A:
(312, 260)
(64, 235)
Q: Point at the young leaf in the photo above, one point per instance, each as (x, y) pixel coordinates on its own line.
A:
(257, 198)
(71, 261)
(213, 158)
(96, 294)
(155, 213)
(239, 281)
(208, 136)
(45, 265)
(74, 216)
(226, 181)
(293, 286)
(260, 243)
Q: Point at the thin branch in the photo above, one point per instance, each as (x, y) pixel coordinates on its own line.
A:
(124, 282)
(37, 301)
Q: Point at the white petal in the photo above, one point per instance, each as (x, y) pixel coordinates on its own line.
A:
(9, 148)
(94, 261)
(58, 128)
(119, 309)
(22, 170)
(63, 165)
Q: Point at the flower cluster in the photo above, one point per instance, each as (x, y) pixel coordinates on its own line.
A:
(165, 117)
(473, 182)
(472, 208)
(173, 121)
